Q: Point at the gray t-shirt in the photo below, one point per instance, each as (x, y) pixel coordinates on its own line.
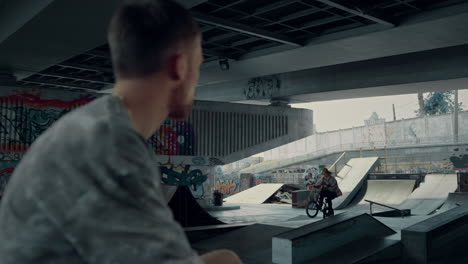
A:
(89, 191)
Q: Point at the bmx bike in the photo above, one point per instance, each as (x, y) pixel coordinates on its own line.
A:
(313, 207)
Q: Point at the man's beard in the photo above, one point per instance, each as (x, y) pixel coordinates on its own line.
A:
(179, 111)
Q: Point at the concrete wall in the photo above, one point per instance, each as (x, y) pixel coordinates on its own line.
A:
(410, 132)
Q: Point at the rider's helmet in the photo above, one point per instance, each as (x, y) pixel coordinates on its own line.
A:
(325, 171)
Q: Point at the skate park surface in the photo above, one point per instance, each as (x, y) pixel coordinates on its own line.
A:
(251, 229)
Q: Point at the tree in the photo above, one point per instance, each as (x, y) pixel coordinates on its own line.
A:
(437, 103)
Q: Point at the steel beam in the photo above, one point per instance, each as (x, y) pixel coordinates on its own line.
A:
(72, 77)
(356, 12)
(73, 86)
(237, 27)
(269, 8)
(227, 6)
(85, 67)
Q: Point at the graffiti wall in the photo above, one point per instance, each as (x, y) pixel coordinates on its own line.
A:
(228, 176)
(298, 175)
(227, 183)
(197, 178)
(26, 113)
(174, 138)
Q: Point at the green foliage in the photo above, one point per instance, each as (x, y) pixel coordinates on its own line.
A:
(437, 103)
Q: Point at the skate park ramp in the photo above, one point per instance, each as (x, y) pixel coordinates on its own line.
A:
(431, 194)
(255, 195)
(345, 238)
(252, 243)
(388, 192)
(351, 178)
(188, 212)
(454, 200)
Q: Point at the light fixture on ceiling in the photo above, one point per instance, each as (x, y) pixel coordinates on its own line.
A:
(224, 64)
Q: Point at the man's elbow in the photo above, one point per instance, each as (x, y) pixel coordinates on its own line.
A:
(221, 256)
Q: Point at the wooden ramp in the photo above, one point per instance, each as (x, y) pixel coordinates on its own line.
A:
(351, 179)
(431, 194)
(255, 195)
(389, 192)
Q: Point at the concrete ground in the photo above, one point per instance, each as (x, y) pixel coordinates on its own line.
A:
(286, 216)
(253, 243)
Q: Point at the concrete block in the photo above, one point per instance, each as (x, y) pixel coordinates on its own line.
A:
(319, 238)
(438, 236)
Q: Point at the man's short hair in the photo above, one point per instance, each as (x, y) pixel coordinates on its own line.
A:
(142, 32)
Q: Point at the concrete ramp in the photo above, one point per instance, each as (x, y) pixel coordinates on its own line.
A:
(438, 239)
(353, 175)
(188, 212)
(251, 243)
(454, 200)
(344, 238)
(255, 195)
(431, 194)
(388, 192)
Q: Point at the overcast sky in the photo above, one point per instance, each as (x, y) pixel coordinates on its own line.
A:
(339, 114)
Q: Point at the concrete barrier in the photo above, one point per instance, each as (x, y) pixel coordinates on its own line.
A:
(437, 239)
(310, 242)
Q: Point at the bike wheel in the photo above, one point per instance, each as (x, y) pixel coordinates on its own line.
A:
(312, 209)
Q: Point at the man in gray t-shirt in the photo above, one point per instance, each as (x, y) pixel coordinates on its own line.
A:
(88, 190)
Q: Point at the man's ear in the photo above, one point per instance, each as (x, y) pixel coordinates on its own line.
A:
(178, 66)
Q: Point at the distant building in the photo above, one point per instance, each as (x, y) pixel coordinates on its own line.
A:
(374, 120)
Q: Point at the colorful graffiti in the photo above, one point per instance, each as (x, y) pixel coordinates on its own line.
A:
(192, 178)
(246, 181)
(174, 138)
(228, 184)
(25, 115)
(262, 179)
(228, 187)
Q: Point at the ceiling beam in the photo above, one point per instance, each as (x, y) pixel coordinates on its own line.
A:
(227, 6)
(268, 8)
(241, 28)
(55, 83)
(191, 3)
(10, 21)
(356, 12)
(85, 67)
(75, 77)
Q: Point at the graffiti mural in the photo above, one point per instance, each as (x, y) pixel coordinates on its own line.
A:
(226, 183)
(262, 87)
(174, 138)
(246, 181)
(300, 175)
(6, 170)
(228, 187)
(182, 175)
(260, 179)
(24, 115)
